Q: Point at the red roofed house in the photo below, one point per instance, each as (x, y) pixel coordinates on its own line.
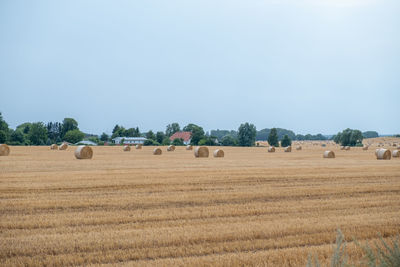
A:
(186, 136)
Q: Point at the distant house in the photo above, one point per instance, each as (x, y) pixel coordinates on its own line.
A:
(186, 136)
(86, 142)
(129, 140)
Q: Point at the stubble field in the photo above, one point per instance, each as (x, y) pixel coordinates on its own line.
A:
(248, 208)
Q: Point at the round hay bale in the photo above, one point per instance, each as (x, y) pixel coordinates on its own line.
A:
(298, 148)
(346, 148)
(271, 149)
(138, 146)
(376, 151)
(4, 150)
(171, 148)
(329, 154)
(398, 147)
(383, 154)
(219, 153)
(288, 149)
(54, 147)
(83, 152)
(201, 152)
(189, 147)
(127, 148)
(157, 151)
(63, 146)
(365, 148)
(342, 148)
(396, 153)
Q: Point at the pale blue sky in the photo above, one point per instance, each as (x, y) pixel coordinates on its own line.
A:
(307, 65)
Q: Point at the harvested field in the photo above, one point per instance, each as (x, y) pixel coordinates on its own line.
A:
(248, 208)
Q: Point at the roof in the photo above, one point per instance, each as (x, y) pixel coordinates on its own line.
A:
(186, 136)
(86, 142)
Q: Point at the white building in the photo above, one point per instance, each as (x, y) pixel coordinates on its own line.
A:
(129, 140)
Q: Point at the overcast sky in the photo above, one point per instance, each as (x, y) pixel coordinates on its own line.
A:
(312, 66)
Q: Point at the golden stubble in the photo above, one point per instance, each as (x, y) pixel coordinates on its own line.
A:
(249, 208)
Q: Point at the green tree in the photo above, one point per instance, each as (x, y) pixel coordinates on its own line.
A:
(228, 141)
(150, 135)
(160, 137)
(246, 134)
(68, 124)
(370, 134)
(197, 133)
(74, 136)
(273, 138)
(172, 128)
(177, 142)
(166, 141)
(37, 133)
(104, 137)
(286, 141)
(3, 137)
(54, 130)
(348, 137)
(17, 137)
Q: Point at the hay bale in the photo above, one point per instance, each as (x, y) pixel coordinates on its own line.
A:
(288, 149)
(127, 148)
(342, 148)
(365, 148)
(271, 149)
(298, 148)
(54, 147)
(396, 153)
(219, 153)
(329, 154)
(346, 148)
(201, 152)
(138, 146)
(4, 150)
(83, 152)
(383, 153)
(171, 148)
(63, 146)
(157, 151)
(189, 147)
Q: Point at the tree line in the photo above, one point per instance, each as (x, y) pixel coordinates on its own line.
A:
(39, 133)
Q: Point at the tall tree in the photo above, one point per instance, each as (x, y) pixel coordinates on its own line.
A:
(54, 130)
(150, 135)
(349, 137)
(273, 138)
(68, 124)
(197, 133)
(37, 133)
(286, 141)
(172, 128)
(104, 137)
(74, 136)
(4, 131)
(247, 134)
(160, 137)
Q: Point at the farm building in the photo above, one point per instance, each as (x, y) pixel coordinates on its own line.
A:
(129, 140)
(185, 136)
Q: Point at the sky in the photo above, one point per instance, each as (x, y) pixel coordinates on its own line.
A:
(312, 66)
